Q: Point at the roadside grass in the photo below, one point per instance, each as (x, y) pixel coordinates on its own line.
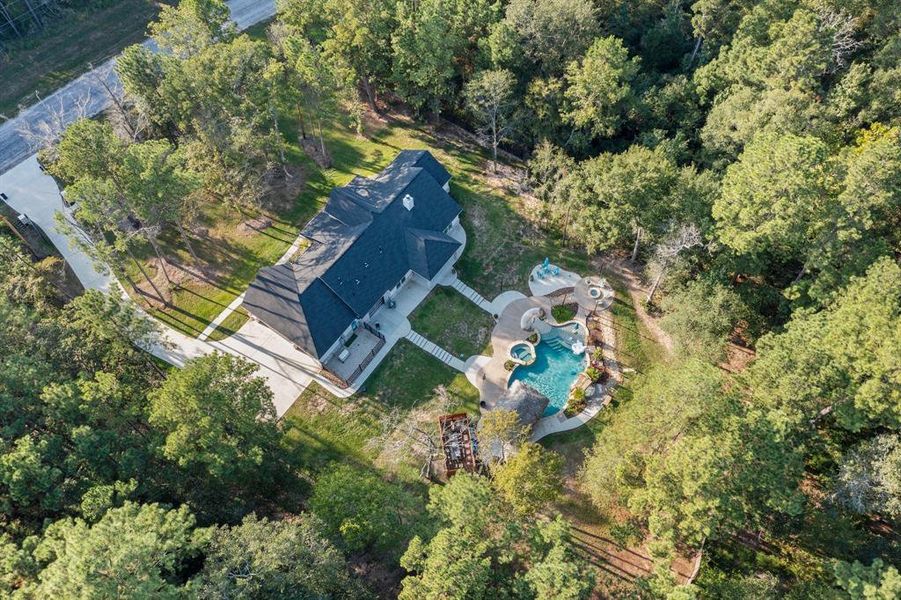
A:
(230, 325)
(35, 66)
(323, 428)
(454, 323)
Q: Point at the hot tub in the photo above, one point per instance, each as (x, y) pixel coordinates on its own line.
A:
(522, 352)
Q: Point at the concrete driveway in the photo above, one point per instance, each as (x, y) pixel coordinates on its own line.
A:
(286, 370)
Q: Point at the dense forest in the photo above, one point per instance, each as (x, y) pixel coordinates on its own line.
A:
(744, 156)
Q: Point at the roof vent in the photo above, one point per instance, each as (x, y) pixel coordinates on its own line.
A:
(408, 202)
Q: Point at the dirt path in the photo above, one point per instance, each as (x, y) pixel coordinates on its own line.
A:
(624, 270)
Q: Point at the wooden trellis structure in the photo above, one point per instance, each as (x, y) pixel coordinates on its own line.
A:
(458, 443)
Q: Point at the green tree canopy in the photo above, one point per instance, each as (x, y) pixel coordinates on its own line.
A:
(133, 551)
(529, 479)
(191, 26)
(878, 581)
(600, 87)
(219, 426)
(776, 197)
(364, 511)
(690, 461)
(619, 198)
(551, 33)
(273, 559)
(489, 96)
(702, 315)
(840, 360)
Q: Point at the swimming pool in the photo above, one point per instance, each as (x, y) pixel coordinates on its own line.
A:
(553, 373)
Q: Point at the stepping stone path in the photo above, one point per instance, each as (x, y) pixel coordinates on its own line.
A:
(437, 351)
(472, 295)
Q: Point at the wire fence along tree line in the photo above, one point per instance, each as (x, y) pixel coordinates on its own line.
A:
(21, 18)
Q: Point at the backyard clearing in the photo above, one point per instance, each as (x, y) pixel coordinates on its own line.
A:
(502, 244)
(326, 428)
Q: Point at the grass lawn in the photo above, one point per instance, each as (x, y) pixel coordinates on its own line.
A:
(502, 244)
(323, 428)
(230, 325)
(35, 66)
(454, 323)
(563, 312)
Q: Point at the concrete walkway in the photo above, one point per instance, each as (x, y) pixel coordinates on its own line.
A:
(549, 284)
(470, 294)
(85, 96)
(436, 351)
(233, 306)
(221, 317)
(286, 370)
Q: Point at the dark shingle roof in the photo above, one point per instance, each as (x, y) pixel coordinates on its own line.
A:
(429, 250)
(362, 243)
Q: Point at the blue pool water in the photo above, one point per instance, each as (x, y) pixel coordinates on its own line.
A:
(553, 373)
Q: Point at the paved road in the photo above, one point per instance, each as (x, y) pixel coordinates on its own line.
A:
(85, 96)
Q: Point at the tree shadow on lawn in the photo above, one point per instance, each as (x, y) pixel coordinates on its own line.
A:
(349, 159)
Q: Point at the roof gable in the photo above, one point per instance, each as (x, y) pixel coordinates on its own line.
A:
(362, 243)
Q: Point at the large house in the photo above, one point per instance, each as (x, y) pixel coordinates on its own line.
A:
(371, 237)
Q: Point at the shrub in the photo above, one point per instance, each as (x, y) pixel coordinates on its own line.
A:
(533, 339)
(509, 365)
(625, 534)
(577, 402)
(593, 373)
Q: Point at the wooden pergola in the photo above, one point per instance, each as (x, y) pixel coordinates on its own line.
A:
(458, 443)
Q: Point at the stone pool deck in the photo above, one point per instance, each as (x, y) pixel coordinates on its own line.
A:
(490, 377)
